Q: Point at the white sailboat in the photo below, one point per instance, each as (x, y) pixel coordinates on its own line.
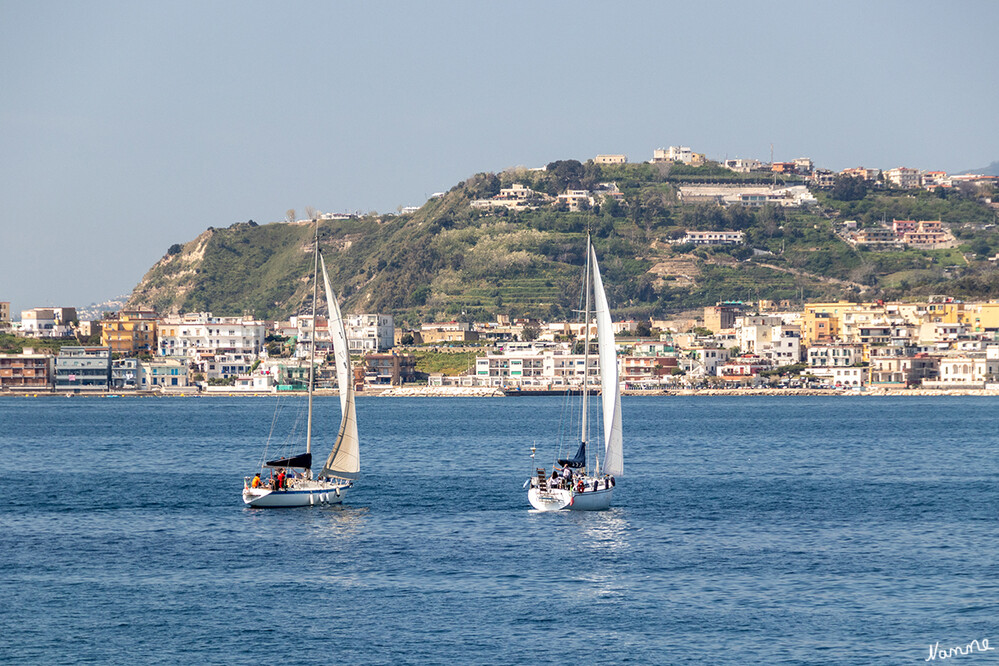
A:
(580, 487)
(330, 484)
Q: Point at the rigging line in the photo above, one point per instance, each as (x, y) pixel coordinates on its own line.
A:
(564, 424)
(267, 445)
(293, 434)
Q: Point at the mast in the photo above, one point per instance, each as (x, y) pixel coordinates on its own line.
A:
(586, 348)
(312, 351)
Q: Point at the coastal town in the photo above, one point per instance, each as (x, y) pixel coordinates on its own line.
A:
(941, 344)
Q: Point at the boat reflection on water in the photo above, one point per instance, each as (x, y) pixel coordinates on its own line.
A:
(607, 529)
(337, 520)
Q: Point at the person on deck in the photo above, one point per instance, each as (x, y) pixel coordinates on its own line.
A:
(256, 481)
(280, 480)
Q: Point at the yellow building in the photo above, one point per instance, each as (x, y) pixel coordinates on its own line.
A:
(944, 313)
(822, 322)
(131, 332)
(981, 317)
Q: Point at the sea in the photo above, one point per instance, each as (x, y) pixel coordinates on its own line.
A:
(745, 530)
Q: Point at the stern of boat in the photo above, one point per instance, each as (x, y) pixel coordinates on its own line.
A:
(553, 499)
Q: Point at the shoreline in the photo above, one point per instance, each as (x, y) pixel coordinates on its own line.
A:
(490, 392)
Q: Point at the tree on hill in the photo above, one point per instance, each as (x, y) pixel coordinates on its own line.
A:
(565, 174)
(848, 188)
(482, 186)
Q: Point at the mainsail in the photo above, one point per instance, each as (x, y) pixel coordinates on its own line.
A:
(344, 460)
(610, 395)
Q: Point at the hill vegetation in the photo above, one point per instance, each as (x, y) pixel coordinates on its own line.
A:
(448, 260)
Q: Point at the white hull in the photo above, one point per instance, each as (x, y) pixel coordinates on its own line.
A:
(558, 500)
(307, 494)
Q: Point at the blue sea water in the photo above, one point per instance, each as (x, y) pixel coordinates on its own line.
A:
(745, 530)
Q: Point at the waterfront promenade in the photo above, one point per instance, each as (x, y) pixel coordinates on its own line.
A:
(491, 392)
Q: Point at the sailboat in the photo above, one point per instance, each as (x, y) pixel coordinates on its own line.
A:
(581, 487)
(330, 484)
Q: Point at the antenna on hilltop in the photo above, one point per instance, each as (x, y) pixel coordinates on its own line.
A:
(772, 170)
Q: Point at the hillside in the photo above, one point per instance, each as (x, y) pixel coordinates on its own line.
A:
(449, 260)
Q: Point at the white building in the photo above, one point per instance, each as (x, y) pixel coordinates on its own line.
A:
(184, 335)
(163, 373)
(706, 361)
(904, 177)
(536, 367)
(941, 334)
(714, 237)
(369, 332)
(841, 376)
(963, 370)
(830, 356)
(47, 322)
(769, 337)
(742, 165)
(791, 196)
(673, 154)
(223, 365)
(302, 331)
(516, 197)
(575, 200)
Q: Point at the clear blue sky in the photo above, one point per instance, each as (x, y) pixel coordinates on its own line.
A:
(126, 127)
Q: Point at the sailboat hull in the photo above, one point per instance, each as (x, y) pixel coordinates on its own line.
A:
(569, 500)
(279, 499)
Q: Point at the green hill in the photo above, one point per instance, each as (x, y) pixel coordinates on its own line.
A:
(449, 260)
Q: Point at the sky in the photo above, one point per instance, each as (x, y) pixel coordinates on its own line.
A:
(126, 127)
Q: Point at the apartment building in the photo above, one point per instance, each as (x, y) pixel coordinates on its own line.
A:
(164, 373)
(904, 177)
(862, 172)
(834, 355)
(369, 332)
(720, 317)
(647, 369)
(184, 335)
(130, 332)
(222, 365)
(48, 322)
(575, 200)
(26, 370)
(83, 368)
(392, 369)
(126, 374)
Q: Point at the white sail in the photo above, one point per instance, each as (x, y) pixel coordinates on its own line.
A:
(344, 460)
(609, 384)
